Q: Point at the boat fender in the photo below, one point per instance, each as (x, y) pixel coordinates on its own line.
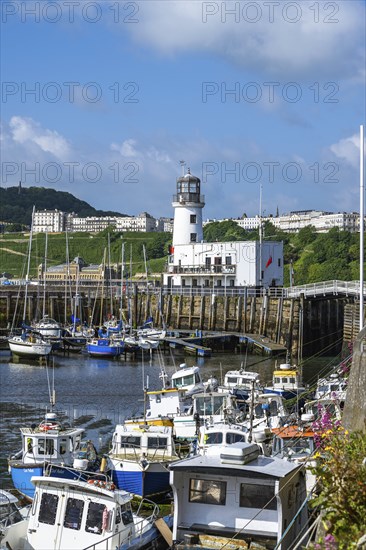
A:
(105, 519)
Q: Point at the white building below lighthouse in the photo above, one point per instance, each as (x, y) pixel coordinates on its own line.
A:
(195, 263)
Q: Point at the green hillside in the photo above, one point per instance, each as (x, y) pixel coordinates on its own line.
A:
(16, 204)
(315, 256)
(91, 247)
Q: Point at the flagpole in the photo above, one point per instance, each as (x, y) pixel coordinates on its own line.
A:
(362, 160)
(260, 235)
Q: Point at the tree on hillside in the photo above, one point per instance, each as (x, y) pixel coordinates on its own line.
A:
(224, 231)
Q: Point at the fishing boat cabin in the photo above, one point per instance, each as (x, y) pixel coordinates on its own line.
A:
(241, 494)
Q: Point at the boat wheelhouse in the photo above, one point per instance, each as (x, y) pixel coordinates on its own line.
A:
(238, 494)
(333, 387)
(212, 438)
(140, 456)
(188, 378)
(77, 514)
(296, 443)
(51, 444)
(242, 382)
(287, 382)
(213, 406)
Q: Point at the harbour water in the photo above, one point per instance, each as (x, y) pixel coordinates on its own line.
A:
(96, 394)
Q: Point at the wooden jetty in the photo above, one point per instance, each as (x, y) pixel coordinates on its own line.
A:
(194, 343)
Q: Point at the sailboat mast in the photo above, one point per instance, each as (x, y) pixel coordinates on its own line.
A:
(102, 295)
(44, 275)
(28, 268)
(122, 270)
(110, 276)
(362, 215)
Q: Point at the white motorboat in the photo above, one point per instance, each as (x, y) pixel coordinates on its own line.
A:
(13, 520)
(68, 513)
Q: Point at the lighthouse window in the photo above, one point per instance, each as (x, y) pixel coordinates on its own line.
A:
(193, 237)
(193, 218)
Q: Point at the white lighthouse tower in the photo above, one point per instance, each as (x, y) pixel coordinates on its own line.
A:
(188, 204)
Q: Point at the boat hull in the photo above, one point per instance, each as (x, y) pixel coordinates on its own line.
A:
(103, 349)
(22, 474)
(142, 483)
(29, 349)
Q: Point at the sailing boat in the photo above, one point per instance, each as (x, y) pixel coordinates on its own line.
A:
(104, 344)
(30, 343)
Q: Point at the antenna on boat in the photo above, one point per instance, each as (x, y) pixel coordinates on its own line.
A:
(251, 413)
(51, 390)
(362, 208)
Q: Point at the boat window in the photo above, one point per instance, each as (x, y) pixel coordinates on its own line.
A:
(277, 380)
(157, 442)
(273, 408)
(292, 380)
(94, 520)
(46, 446)
(197, 378)
(130, 441)
(48, 509)
(9, 514)
(74, 513)
(234, 438)
(300, 446)
(213, 438)
(126, 512)
(29, 445)
(184, 381)
(204, 406)
(257, 496)
(63, 446)
(231, 380)
(204, 491)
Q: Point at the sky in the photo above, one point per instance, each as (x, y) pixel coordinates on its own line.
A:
(111, 101)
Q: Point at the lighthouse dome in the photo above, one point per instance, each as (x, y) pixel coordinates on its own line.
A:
(188, 178)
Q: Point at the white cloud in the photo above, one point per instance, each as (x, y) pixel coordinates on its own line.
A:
(330, 42)
(348, 149)
(126, 149)
(24, 130)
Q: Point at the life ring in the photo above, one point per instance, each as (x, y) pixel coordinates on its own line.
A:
(102, 484)
(49, 426)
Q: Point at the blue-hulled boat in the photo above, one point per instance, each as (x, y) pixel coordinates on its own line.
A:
(140, 457)
(104, 347)
(54, 448)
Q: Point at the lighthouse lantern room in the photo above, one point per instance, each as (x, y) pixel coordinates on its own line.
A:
(188, 204)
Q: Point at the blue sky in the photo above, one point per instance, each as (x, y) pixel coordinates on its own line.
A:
(248, 94)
